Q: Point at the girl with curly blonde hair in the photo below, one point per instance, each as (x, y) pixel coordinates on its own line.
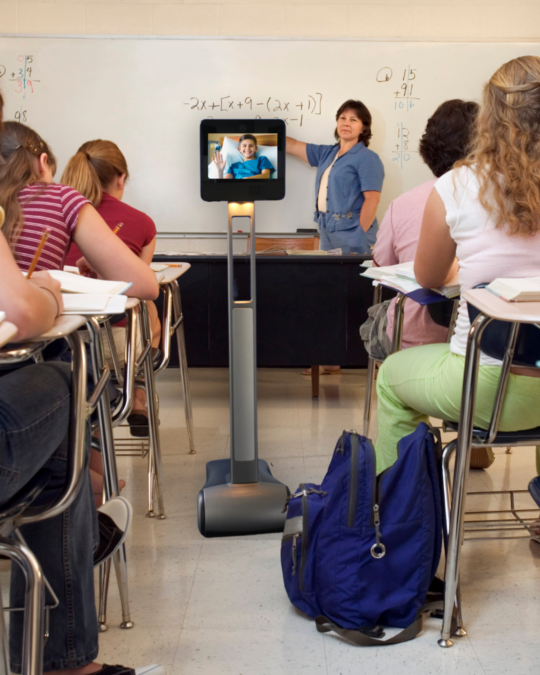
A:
(486, 212)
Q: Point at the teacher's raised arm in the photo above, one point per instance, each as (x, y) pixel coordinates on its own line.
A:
(348, 183)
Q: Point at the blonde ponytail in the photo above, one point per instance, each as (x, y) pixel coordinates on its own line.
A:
(95, 166)
(81, 175)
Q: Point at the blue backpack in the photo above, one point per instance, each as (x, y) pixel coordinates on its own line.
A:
(361, 550)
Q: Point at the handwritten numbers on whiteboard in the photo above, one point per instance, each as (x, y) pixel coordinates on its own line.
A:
(21, 76)
(21, 116)
(402, 153)
(312, 103)
(384, 75)
(2, 71)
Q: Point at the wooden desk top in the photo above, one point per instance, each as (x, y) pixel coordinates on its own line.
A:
(497, 308)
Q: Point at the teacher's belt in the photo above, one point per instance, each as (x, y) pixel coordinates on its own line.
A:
(333, 221)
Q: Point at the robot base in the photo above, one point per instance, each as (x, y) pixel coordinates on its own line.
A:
(225, 509)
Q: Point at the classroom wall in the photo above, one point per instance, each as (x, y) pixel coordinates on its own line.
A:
(436, 19)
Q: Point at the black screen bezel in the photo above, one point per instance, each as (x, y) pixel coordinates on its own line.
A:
(248, 190)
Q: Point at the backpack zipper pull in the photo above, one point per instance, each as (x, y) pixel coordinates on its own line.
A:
(295, 539)
(378, 550)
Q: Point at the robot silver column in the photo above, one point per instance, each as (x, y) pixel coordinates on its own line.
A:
(240, 495)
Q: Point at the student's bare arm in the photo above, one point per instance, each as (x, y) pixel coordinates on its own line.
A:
(435, 259)
(296, 149)
(110, 257)
(147, 252)
(31, 305)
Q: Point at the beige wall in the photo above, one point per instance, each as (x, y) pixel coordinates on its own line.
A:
(438, 19)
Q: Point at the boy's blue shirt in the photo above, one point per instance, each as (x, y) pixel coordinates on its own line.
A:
(252, 167)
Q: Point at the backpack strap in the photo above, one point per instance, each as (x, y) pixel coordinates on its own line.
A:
(368, 638)
(357, 637)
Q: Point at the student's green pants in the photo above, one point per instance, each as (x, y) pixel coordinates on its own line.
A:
(427, 381)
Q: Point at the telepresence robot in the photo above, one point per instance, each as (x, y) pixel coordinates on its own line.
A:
(240, 495)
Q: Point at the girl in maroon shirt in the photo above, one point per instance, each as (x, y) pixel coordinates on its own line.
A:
(99, 172)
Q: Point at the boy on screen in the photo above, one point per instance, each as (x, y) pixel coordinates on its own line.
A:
(250, 166)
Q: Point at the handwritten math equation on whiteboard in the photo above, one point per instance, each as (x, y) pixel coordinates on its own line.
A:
(291, 111)
(20, 73)
(404, 98)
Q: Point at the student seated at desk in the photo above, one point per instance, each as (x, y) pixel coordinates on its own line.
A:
(485, 212)
(34, 203)
(34, 433)
(446, 140)
(99, 172)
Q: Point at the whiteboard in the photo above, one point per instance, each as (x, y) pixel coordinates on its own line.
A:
(149, 95)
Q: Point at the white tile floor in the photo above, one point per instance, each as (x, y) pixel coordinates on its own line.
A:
(217, 606)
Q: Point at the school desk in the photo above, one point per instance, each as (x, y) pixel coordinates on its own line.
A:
(309, 309)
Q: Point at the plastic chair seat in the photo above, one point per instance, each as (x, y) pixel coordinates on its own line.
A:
(503, 437)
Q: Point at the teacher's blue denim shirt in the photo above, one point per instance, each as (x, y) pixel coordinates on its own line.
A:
(357, 171)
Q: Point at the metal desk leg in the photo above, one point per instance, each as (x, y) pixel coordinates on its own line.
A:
(178, 326)
(110, 475)
(155, 474)
(370, 379)
(34, 605)
(461, 474)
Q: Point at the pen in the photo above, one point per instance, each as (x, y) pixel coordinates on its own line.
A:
(37, 254)
(118, 228)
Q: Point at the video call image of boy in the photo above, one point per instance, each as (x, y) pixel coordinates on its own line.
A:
(250, 166)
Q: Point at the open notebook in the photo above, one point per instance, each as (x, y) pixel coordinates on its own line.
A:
(75, 283)
(401, 277)
(93, 303)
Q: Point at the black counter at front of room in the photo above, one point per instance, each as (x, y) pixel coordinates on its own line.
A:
(309, 309)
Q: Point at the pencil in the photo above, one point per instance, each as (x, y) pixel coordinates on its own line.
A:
(37, 254)
(2, 217)
(118, 228)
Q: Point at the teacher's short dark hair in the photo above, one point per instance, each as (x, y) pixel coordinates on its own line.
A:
(448, 135)
(363, 115)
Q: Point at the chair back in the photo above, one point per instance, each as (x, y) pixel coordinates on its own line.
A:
(442, 312)
(274, 244)
(496, 336)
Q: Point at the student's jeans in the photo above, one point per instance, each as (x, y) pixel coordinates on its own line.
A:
(422, 382)
(34, 422)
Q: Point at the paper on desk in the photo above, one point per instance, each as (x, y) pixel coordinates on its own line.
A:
(93, 303)
(2, 316)
(158, 267)
(388, 271)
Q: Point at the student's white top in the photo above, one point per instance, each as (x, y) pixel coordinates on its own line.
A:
(484, 252)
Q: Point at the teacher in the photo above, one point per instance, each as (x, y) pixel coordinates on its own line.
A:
(348, 183)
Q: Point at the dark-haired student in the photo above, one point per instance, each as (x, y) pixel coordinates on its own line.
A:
(446, 140)
(348, 183)
(34, 431)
